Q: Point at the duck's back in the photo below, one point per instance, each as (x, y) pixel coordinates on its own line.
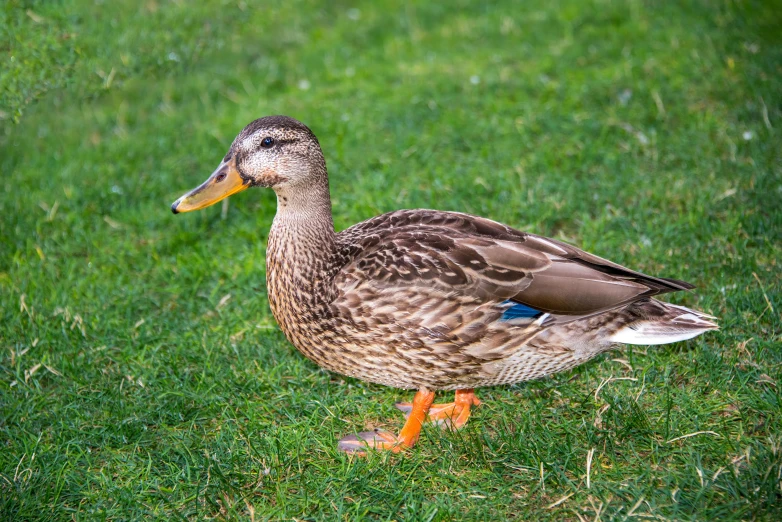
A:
(478, 256)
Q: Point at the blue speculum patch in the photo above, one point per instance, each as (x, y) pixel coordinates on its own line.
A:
(519, 311)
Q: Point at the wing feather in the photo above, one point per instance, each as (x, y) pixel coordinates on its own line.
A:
(474, 258)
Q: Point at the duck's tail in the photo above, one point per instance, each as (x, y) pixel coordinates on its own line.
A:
(654, 322)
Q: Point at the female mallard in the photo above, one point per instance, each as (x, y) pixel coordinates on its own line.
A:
(430, 300)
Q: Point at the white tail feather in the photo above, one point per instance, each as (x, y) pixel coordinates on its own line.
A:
(666, 330)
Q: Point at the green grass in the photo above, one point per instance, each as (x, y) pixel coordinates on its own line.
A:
(142, 374)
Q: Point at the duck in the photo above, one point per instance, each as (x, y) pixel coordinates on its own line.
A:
(430, 300)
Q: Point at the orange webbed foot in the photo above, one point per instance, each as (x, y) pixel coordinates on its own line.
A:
(382, 440)
(451, 415)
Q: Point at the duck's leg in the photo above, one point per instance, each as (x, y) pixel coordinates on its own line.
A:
(382, 440)
(451, 415)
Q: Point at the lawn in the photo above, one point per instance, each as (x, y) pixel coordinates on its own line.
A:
(142, 374)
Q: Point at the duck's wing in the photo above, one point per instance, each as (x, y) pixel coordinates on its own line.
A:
(466, 258)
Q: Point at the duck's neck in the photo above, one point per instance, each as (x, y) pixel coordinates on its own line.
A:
(309, 201)
(301, 244)
(304, 216)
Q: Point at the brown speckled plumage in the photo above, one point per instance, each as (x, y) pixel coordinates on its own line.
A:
(408, 299)
(417, 298)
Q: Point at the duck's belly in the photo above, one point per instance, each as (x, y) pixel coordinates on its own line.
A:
(385, 355)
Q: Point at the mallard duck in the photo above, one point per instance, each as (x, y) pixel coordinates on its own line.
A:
(430, 300)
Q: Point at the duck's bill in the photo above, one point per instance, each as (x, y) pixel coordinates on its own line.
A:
(223, 182)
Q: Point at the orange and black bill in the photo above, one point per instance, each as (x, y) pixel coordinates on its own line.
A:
(223, 182)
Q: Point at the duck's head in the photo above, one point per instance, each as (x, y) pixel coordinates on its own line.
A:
(274, 151)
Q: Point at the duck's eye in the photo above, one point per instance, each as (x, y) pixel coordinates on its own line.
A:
(267, 142)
